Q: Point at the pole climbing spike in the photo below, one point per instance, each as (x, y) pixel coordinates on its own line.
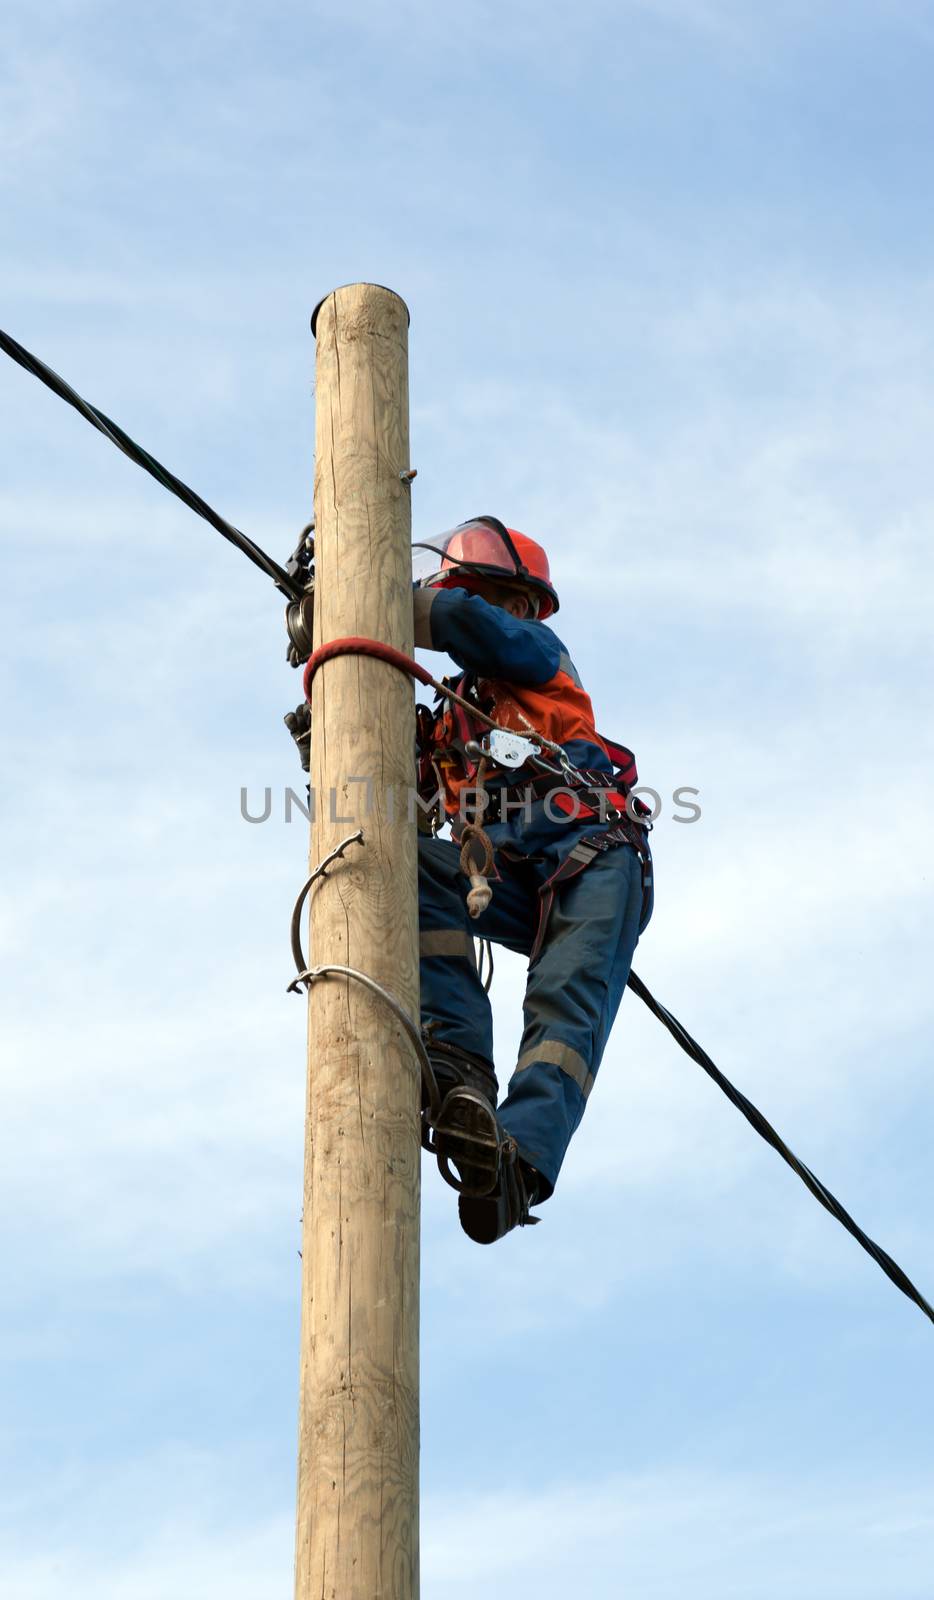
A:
(464, 1129)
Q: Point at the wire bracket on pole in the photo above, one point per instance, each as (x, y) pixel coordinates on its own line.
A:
(308, 975)
(321, 871)
(313, 974)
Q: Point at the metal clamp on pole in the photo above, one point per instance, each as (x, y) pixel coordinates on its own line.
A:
(321, 871)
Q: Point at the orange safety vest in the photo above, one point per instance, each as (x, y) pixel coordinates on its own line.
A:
(560, 710)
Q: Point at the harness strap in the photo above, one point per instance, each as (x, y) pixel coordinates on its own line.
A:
(599, 795)
(579, 858)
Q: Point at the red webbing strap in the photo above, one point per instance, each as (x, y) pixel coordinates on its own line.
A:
(623, 760)
(353, 646)
(574, 862)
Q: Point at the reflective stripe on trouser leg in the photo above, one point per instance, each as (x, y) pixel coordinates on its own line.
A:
(573, 993)
(453, 999)
(446, 942)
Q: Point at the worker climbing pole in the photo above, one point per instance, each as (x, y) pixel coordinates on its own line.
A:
(549, 856)
(357, 1512)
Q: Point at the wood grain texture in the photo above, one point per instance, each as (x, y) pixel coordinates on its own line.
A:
(357, 1512)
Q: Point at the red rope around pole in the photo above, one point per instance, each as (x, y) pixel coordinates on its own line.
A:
(363, 647)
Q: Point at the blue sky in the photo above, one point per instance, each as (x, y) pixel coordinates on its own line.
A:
(670, 274)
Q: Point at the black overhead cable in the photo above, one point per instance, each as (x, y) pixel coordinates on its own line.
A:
(149, 464)
(289, 587)
(765, 1129)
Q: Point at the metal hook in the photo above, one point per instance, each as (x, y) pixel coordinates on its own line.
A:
(313, 974)
(321, 871)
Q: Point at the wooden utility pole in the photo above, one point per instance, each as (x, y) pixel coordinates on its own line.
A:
(357, 1529)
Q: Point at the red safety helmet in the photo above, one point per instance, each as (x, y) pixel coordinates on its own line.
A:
(485, 548)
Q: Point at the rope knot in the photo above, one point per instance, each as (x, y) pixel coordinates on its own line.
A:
(476, 863)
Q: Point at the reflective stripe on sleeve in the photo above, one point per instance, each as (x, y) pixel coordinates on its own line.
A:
(566, 665)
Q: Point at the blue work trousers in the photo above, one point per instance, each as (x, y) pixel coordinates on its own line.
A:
(574, 985)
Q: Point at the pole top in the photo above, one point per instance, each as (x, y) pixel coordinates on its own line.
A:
(314, 314)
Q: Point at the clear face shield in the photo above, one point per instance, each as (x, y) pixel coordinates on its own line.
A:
(482, 547)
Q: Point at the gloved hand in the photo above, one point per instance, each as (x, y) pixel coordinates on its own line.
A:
(299, 622)
(298, 723)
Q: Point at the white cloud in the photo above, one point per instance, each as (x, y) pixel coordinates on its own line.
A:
(657, 1533)
(661, 1535)
(39, 101)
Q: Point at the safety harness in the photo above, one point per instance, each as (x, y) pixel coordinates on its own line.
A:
(583, 795)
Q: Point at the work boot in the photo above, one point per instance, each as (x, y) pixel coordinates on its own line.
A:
(465, 1129)
(486, 1218)
(455, 1066)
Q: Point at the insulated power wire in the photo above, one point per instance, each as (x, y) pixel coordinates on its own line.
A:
(113, 432)
(767, 1132)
